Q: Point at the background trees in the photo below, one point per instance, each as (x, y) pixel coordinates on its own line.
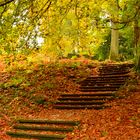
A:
(56, 28)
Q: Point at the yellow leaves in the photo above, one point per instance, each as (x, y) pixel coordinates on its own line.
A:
(66, 42)
(123, 3)
(38, 58)
(30, 28)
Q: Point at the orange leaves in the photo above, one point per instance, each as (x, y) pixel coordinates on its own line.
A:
(41, 89)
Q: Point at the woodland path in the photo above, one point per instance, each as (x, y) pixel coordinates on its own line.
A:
(96, 92)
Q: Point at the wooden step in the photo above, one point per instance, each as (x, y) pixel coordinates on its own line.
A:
(79, 103)
(101, 84)
(95, 90)
(42, 128)
(104, 81)
(108, 77)
(114, 68)
(100, 87)
(31, 129)
(120, 69)
(84, 98)
(36, 136)
(99, 80)
(113, 73)
(89, 95)
(81, 107)
(117, 66)
(44, 121)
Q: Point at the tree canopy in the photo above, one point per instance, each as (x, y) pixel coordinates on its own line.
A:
(58, 28)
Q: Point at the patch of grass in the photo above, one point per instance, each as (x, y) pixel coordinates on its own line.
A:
(75, 65)
(134, 118)
(104, 133)
(46, 85)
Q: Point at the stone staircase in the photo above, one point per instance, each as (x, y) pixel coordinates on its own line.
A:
(96, 90)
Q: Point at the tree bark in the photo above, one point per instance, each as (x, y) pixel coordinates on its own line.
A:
(114, 51)
(137, 44)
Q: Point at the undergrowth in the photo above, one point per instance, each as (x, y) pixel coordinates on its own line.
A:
(38, 85)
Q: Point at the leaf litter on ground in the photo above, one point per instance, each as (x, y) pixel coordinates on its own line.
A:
(46, 83)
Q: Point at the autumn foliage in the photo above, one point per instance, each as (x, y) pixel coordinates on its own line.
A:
(30, 92)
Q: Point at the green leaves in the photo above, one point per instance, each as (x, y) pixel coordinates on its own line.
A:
(13, 82)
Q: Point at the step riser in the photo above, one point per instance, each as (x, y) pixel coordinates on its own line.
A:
(116, 69)
(121, 66)
(79, 107)
(97, 90)
(106, 78)
(105, 85)
(112, 73)
(102, 82)
(85, 99)
(97, 87)
(54, 122)
(77, 103)
(89, 95)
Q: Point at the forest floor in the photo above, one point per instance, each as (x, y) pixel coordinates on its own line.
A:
(31, 93)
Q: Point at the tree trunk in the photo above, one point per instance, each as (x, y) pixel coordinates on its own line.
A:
(137, 44)
(114, 51)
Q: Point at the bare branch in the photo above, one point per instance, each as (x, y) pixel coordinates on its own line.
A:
(1, 14)
(119, 28)
(5, 3)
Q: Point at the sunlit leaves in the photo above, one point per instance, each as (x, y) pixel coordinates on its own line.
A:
(64, 25)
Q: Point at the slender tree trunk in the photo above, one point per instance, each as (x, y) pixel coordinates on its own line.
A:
(137, 44)
(114, 51)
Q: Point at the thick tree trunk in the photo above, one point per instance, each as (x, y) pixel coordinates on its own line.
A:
(114, 51)
(137, 44)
